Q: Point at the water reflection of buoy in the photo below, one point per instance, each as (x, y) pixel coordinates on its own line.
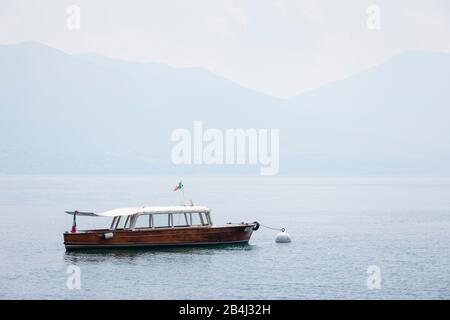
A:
(283, 237)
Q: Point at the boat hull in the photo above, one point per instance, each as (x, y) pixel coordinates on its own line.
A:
(159, 237)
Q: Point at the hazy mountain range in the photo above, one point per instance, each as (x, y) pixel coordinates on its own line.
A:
(62, 113)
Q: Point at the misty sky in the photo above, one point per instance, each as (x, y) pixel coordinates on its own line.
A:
(280, 47)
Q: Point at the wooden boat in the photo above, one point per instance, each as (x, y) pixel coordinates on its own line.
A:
(157, 226)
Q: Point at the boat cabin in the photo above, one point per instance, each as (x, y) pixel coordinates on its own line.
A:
(163, 218)
(153, 217)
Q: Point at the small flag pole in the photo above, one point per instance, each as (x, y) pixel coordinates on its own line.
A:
(182, 190)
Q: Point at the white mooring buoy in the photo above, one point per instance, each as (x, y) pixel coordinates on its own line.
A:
(283, 237)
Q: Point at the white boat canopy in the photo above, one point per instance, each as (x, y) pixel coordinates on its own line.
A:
(143, 210)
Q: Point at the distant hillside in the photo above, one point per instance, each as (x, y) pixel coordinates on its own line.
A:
(87, 113)
(62, 113)
(390, 118)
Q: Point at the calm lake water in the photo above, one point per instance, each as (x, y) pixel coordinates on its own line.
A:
(339, 227)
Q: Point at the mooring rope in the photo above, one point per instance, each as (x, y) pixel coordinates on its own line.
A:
(272, 228)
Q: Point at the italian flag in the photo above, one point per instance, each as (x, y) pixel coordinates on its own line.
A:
(179, 186)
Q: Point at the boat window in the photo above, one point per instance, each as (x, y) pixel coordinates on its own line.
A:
(180, 220)
(126, 224)
(121, 222)
(208, 218)
(197, 219)
(117, 222)
(161, 220)
(204, 219)
(142, 221)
